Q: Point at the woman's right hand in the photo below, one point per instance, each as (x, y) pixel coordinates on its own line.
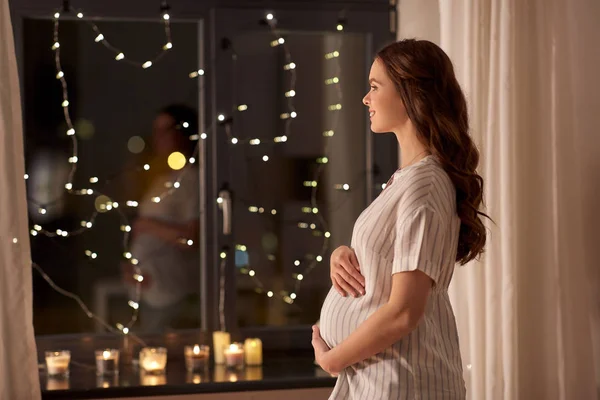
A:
(345, 272)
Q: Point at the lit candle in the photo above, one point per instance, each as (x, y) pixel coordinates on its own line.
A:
(153, 360)
(107, 362)
(57, 362)
(234, 355)
(221, 341)
(196, 358)
(253, 350)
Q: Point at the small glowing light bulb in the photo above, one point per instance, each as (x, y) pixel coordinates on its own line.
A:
(168, 46)
(147, 64)
(79, 15)
(71, 132)
(166, 17)
(146, 167)
(99, 38)
(234, 140)
(65, 103)
(60, 74)
(120, 56)
(269, 16)
(265, 158)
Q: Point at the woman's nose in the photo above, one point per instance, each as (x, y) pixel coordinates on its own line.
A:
(365, 100)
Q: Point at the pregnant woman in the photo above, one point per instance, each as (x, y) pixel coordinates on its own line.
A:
(387, 328)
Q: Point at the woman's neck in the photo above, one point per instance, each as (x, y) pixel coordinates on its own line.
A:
(411, 148)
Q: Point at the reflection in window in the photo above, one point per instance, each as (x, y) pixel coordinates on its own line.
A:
(134, 128)
(283, 272)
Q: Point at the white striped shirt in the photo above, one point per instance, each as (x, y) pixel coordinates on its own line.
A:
(411, 225)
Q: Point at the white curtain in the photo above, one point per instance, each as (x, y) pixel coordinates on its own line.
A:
(18, 356)
(529, 312)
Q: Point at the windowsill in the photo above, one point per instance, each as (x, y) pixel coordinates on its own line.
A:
(284, 366)
(275, 374)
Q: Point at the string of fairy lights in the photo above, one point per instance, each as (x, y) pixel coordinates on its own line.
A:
(109, 205)
(176, 160)
(320, 229)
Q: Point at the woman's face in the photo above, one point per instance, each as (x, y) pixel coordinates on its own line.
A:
(386, 109)
(165, 136)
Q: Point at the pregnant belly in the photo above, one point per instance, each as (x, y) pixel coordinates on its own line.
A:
(340, 316)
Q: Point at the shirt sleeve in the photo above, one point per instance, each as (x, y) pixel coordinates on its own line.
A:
(419, 243)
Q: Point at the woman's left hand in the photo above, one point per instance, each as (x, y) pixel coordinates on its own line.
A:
(322, 352)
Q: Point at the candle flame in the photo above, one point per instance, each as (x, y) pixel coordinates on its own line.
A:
(106, 354)
(234, 347)
(196, 349)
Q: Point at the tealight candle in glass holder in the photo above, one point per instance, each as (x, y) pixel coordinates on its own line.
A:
(107, 362)
(57, 363)
(196, 357)
(153, 360)
(234, 356)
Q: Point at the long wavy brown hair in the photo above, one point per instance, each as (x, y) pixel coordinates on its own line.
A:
(436, 105)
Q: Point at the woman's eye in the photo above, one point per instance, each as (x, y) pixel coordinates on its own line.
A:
(373, 87)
